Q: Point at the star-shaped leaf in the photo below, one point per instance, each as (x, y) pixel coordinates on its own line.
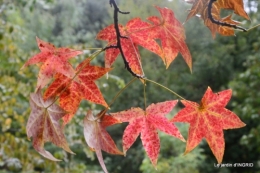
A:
(167, 28)
(135, 33)
(98, 138)
(146, 123)
(43, 125)
(171, 33)
(75, 91)
(54, 60)
(208, 120)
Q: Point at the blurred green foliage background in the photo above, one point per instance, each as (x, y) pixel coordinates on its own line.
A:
(221, 63)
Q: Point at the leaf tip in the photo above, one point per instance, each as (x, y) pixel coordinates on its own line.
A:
(187, 150)
(71, 152)
(92, 149)
(124, 152)
(182, 139)
(23, 67)
(242, 124)
(154, 162)
(121, 153)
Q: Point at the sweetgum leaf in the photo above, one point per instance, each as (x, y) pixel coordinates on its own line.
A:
(171, 33)
(137, 32)
(129, 47)
(146, 123)
(53, 60)
(97, 137)
(208, 120)
(43, 125)
(75, 91)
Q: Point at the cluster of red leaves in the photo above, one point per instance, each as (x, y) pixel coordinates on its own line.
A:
(207, 120)
(137, 32)
(71, 86)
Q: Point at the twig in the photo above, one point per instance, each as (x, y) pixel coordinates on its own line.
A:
(118, 36)
(219, 22)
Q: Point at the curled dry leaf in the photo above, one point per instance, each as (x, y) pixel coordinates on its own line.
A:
(98, 138)
(200, 7)
(43, 125)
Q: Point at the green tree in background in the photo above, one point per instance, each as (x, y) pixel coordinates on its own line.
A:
(225, 61)
(15, 151)
(244, 56)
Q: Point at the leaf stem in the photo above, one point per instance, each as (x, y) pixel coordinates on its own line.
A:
(189, 102)
(165, 88)
(119, 92)
(93, 48)
(144, 95)
(95, 54)
(115, 97)
(254, 27)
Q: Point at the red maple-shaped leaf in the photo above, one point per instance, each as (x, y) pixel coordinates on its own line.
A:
(208, 120)
(147, 122)
(171, 33)
(54, 60)
(75, 91)
(43, 125)
(135, 35)
(98, 138)
(168, 29)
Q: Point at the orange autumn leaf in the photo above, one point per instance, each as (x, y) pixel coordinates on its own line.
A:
(171, 33)
(98, 138)
(75, 91)
(146, 124)
(223, 30)
(236, 5)
(200, 7)
(43, 125)
(53, 60)
(208, 120)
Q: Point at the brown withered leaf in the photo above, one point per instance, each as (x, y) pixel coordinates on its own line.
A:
(43, 125)
(200, 7)
(98, 138)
